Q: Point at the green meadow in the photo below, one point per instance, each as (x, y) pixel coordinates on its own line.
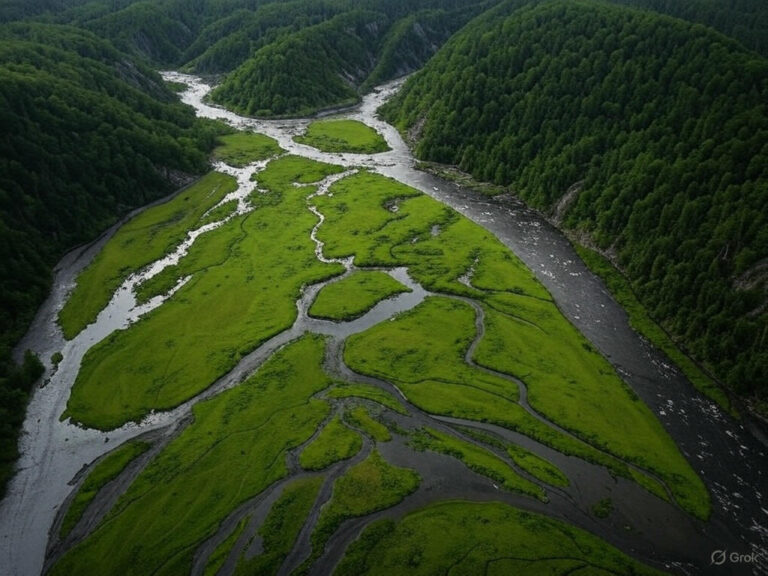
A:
(482, 538)
(281, 527)
(334, 442)
(488, 328)
(102, 473)
(144, 239)
(480, 460)
(525, 336)
(354, 295)
(242, 148)
(246, 277)
(234, 449)
(343, 136)
(360, 418)
(371, 485)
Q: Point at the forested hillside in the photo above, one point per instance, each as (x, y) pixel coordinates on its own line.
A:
(334, 47)
(661, 129)
(87, 134)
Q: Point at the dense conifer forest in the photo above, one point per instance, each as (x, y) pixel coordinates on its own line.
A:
(659, 127)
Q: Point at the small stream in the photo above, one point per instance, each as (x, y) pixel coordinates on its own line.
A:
(732, 463)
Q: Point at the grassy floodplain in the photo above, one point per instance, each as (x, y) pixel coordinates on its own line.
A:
(219, 556)
(243, 148)
(518, 543)
(354, 295)
(645, 325)
(281, 527)
(156, 231)
(334, 442)
(372, 485)
(422, 351)
(347, 390)
(102, 473)
(246, 277)
(537, 467)
(477, 459)
(361, 419)
(343, 136)
(144, 239)
(232, 451)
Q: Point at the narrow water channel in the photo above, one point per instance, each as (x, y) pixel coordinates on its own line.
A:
(731, 462)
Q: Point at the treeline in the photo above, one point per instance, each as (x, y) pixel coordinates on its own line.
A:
(291, 57)
(336, 48)
(664, 127)
(329, 63)
(87, 134)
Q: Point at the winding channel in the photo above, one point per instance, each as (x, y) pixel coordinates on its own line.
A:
(732, 463)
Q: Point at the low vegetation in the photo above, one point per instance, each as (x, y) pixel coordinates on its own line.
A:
(348, 390)
(343, 136)
(603, 508)
(478, 459)
(102, 473)
(234, 448)
(281, 527)
(519, 543)
(536, 466)
(354, 295)
(146, 238)
(219, 556)
(362, 420)
(246, 277)
(243, 148)
(335, 442)
(372, 485)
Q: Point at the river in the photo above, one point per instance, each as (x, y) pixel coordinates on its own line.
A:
(730, 460)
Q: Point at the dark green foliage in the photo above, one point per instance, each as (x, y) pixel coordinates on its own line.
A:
(15, 384)
(744, 20)
(307, 71)
(87, 134)
(664, 123)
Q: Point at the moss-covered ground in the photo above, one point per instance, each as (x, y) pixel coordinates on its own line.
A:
(243, 148)
(354, 295)
(246, 277)
(105, 471)
(334, 442)
(343, 136)
(142, 240)
(536, 466)
(232, 451)
(482, 538)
